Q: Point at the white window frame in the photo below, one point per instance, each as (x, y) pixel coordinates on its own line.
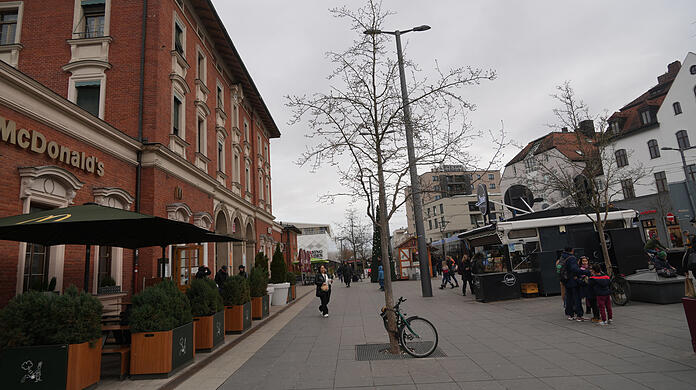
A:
(236, 168)
(182, 115)
(78, 16)
(220, 154)
(202, 149)
(201, 74)
(100, 77)
(261, 186)
(177, 21)
(221, 102)
(247, 175)
(19, 6)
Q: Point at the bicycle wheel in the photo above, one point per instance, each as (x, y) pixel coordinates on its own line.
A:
(418, 337)
(620, 291)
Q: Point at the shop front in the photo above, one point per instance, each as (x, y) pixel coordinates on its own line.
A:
(518, 256)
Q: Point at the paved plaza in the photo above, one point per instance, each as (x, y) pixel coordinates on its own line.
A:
(520, 344)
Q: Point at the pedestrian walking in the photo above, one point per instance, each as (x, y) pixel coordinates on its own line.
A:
(221, 276)
(446, 275)
(601, 285)
(570, 273)
(380, 278)
(347, 274)
(467, 276)
(203, 272)
(453, 267)
(323, 282)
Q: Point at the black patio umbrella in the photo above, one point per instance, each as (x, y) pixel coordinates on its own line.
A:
(92, 224)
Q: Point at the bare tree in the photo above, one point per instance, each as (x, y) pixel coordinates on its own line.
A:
(594, 177)
(355, 232)
(357, 125)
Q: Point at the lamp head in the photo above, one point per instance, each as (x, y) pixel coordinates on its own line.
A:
(421, 28)
(372, 31)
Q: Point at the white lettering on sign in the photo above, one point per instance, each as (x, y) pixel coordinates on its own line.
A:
(36, 142)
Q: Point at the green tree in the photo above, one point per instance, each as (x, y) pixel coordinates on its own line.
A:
(261, 261)
(278, 267)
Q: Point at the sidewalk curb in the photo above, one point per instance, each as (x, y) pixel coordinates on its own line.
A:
(194, 368)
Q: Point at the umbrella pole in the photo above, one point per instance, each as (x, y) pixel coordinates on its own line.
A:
(87, 256)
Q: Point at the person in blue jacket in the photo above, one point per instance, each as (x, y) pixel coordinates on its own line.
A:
(572, 274)
(380, 278)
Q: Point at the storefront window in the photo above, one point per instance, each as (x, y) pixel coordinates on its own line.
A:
(104, 263)
(36, 262)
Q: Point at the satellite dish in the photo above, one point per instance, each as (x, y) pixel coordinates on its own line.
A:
(517, 195)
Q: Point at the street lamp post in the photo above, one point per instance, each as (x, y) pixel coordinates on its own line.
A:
(686, 176)
(426, 287)
(443, 225)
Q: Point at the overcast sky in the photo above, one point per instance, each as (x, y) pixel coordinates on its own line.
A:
(611, 51)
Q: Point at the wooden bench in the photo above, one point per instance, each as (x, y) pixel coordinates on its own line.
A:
(124, 353)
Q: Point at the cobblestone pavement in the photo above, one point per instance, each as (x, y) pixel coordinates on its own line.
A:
(517, 344)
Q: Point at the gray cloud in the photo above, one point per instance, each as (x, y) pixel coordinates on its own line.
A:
(612, 51)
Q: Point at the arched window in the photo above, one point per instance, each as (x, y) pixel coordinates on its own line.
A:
(653, 148)
(677, 108)
(683, 139)
(621, 158)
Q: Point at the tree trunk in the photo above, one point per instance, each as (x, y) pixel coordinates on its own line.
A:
(603, 242)
(384, 241)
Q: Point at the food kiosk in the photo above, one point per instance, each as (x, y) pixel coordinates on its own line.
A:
(524, 249)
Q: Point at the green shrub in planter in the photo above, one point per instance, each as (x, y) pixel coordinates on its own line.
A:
(34, 319)
(204, 297)
(258, 281)
(278, 267)
(261, 262)
(235, 291)
(159, 308)
(291, 278)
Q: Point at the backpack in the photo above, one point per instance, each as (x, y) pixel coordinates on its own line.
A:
(562, 268)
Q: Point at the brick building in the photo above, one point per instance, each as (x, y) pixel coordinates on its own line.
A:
(163, 116)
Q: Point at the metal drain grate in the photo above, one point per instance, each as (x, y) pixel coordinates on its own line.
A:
(365, 352)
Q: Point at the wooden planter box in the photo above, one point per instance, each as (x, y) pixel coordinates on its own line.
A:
(68, 366)
(160, 353)
(259, 307)
(237, 318)
(209, 331)
(293, 292)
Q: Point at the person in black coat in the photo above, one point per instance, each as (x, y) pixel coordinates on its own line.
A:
(203, 272)
(322, 279)
(347, 274)
(221, 276)
(467, 275)
(601, 287)
(573, 307)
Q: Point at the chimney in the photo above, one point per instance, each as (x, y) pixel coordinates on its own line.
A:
(672, 70)
(586, 128)
(564, 129)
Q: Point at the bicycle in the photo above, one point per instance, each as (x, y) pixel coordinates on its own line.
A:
(417, 336)
(620, 289)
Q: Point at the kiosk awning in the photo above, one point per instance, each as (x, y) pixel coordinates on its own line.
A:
(486, 235)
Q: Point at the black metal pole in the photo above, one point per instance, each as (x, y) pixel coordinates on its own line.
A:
(88, 254)
(426, 287)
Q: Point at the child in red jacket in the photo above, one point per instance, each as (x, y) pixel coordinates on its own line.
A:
(600, 284)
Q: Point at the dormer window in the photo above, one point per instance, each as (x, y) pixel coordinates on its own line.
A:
(615, 127)
(677, 108)
(579, 152)
(646, 117)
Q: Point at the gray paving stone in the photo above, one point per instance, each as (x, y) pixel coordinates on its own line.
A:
(513, 344)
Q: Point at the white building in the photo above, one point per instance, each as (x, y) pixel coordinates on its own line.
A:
(316, 238)
(524, 176)
(664, 116)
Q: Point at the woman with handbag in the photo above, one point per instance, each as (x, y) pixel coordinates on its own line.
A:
(323, 282)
